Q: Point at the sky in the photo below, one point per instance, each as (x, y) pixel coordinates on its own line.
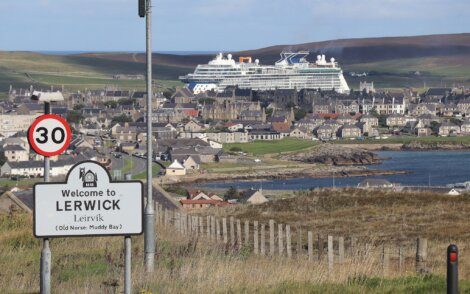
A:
(212, 25)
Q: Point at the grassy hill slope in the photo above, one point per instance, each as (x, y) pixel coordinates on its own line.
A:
(441, 60)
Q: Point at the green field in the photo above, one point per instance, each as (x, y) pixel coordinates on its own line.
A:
(143, 175)
(269, 147)
(22, 69)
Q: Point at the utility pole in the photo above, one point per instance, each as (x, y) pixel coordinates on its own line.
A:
(145, 10)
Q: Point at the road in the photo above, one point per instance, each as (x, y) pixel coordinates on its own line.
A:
(138, 165)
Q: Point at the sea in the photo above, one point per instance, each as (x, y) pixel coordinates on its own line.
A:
(427, 168)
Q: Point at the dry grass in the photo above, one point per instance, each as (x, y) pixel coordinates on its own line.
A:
(188, 264)
(385, 215)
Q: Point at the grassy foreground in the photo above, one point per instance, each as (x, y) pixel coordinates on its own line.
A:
(184, 265)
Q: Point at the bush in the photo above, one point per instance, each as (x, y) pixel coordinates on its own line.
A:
(236, 149)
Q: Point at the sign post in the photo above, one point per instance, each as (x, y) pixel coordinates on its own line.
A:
(89, 203)
(49, 135)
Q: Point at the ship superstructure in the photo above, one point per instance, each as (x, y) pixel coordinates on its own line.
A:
(292, 71)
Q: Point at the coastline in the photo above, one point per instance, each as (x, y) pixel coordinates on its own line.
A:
(339, 172)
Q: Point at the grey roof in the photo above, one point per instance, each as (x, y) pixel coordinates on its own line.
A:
(13, 148)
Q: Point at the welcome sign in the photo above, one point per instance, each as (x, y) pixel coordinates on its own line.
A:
(88, 204)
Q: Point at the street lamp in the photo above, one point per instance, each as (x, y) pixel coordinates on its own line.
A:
(145, 10)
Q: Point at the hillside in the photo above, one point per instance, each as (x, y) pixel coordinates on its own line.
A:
(390, 62)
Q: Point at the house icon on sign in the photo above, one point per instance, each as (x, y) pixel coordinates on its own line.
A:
(88, 178)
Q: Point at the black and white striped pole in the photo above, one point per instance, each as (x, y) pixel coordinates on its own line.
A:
(452, 269)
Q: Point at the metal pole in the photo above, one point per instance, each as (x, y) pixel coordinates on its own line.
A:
(127, 265)
(452, 269)
(46, 256)
(150, 233)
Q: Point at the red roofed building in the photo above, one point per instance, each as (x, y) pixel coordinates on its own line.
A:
(328, 115)
(191, 112)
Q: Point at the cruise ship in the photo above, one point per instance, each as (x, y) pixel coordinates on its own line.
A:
(292, 71)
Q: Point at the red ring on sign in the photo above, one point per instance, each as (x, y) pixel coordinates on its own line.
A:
(40, 119)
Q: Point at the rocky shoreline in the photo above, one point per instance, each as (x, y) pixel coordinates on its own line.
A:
(337, 155)
(420, 146)
(338, 172)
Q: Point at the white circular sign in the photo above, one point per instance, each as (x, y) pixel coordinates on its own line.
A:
(49, 135)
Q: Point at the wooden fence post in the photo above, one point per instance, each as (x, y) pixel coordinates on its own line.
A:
(367, 252)
(288, 242)
(188, 224)
(299, 241)
(421, 255)
(201, 225)
(353, 249)
(320, 247)
(208, 228)
(255, 237)
(310, 245)
(341, 250)
(247, 233)
(271, 237)
(232, 231)
(213, 228)
(330, 254)
(385, 260)
(217, 228)
(263, 240)
(400, 258)
(239, 234)
(224, 230)
(280, 239)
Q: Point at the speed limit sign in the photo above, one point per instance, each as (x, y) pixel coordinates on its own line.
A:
(49, 135)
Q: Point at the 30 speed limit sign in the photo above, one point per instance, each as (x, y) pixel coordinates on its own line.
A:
(49, 135)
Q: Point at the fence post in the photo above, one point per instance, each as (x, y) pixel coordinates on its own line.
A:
(288, 242)
(310, 245)
(320, 247)
(217, 228)
(271, 237)
(263, 240)
(353, 250)
(400, 258)
(213, 228)
(201, 225)
(247, 233)
(421, 255)
(232, 231)
(224, 230)
(280, 239)
(239, 234)
(341, 250)
(208, 228)
(299, 241)
(255, 236)
(385, 260)
(330, 253)
(189, 224)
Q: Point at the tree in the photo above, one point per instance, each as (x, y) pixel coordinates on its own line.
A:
(206, 100)
(125, 101)
(78, 106)
(299, 113)
(3, 159)
(231, 193)
(269, 112)
(110, 104)
(121, 119)
(168, 93)
(74, 117)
